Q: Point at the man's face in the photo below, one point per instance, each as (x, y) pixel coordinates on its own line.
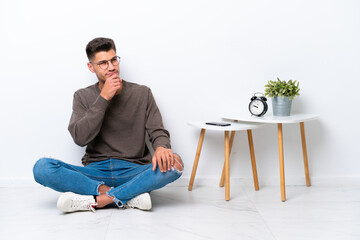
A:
(103, 74)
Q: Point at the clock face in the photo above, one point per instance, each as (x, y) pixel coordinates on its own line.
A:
(256, 107)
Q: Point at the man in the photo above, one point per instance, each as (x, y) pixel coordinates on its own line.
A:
(112, 118)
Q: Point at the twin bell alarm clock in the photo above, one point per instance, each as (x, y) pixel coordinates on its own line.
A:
(258, 106)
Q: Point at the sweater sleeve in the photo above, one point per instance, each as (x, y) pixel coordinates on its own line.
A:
(158, 135)
(85, 122)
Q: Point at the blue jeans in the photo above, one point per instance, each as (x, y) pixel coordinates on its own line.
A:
(126, 179)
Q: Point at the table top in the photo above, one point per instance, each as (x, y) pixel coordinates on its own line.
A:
(293, 118)
(235, 126)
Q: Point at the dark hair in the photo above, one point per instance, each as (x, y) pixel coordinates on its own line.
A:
(99, 45)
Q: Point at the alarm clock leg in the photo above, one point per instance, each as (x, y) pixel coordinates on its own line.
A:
(281, 162)
(306, 164)
(222, 179)
(196, 161)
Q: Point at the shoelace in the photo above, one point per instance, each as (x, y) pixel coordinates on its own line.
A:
(83, 204)
(132, 203)
(92, 206)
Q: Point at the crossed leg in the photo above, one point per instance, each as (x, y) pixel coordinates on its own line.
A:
(103, 199)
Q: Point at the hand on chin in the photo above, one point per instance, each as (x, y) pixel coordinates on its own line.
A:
(111, 74)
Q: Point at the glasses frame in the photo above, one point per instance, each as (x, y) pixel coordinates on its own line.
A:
(107, 62)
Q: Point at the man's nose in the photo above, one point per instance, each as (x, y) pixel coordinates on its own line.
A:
(110, 65)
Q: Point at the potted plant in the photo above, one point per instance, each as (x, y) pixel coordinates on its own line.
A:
(282, 94)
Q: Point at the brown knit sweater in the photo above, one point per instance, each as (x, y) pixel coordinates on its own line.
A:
(117, 128)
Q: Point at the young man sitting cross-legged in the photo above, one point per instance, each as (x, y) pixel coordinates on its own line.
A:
(111, 118)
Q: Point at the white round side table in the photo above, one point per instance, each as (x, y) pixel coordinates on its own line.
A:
(235, 126)
(270, 119)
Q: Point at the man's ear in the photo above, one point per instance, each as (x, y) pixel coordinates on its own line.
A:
(91, 67)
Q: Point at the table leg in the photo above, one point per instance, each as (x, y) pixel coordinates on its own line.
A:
(253, 163)
(227, 166)
(222, 179)
(306, 164)
(196, 161)
(281, 162)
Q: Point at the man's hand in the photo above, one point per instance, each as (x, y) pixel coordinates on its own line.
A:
(164, 158)
(112, 86)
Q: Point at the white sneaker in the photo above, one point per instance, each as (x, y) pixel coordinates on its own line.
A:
(142, 201)
(72, 202)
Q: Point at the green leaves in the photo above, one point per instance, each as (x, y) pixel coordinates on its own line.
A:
(282, 88)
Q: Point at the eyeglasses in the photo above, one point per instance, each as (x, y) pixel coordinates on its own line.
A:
(105, 63)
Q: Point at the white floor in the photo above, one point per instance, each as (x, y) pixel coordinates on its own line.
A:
(309, 213)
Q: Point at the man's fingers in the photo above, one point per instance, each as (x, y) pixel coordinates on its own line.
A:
(159, 162)
(168, 161)
(164, 162)
(154, 163)
(164, 158)
(172, 159)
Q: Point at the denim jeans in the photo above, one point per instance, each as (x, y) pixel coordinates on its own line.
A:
(126, 179)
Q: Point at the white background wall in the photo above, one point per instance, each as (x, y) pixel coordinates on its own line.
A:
(201, 59)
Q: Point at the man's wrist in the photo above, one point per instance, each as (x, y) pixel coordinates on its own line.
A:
(105, 97)
(161, 147)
